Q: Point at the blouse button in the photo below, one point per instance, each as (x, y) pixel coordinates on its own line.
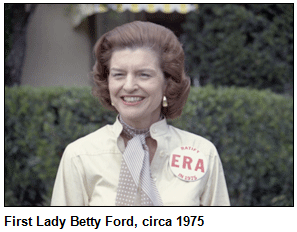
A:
(162, 153)
(154, 178)
(154, 131)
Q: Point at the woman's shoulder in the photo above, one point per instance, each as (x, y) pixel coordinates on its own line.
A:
(189, 138)
(95, 141)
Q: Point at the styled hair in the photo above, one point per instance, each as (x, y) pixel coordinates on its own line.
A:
(144, 35)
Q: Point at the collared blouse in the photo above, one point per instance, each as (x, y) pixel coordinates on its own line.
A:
(89, 170)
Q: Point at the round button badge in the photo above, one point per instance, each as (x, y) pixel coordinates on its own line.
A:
(188, 163)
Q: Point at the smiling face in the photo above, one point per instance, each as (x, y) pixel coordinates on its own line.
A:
(136, 85)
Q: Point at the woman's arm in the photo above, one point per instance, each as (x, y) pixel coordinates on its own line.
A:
(69, 188)
(216, 193)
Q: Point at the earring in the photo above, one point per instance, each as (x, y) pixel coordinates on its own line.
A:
(164, 103)
(112, 104)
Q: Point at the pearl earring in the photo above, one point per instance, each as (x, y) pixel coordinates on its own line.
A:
(164, 103)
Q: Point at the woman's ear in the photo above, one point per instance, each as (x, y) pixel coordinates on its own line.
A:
(165, 86)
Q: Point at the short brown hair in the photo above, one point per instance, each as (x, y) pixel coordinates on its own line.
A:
(149, 35)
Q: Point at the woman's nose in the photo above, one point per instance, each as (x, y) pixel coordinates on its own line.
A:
(130, 84)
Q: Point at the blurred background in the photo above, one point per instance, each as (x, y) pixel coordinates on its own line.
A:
(59, 38)
(240, 61)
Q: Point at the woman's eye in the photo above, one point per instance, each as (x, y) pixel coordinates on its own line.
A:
(117, 74)
(145, 75)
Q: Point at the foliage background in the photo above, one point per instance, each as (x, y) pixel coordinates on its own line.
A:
(241, 45)
(252, 130)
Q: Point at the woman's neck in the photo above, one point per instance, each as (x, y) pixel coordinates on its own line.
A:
(140, 124)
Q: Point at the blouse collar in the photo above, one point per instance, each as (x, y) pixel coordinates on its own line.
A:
(159, 128)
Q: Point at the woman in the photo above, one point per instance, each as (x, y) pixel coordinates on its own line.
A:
(140, 160)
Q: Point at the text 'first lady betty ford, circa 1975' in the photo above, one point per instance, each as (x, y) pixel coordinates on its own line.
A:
(140, 159)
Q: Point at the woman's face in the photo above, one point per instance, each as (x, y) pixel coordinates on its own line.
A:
(137, 85)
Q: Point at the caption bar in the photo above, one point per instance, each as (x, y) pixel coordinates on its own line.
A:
(108, 221)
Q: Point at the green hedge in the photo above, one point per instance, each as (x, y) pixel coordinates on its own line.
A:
(253, 131)
(39, 123)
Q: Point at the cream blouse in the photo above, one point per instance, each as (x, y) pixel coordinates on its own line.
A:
(89, 170)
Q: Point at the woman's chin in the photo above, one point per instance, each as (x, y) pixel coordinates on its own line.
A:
(132, 117)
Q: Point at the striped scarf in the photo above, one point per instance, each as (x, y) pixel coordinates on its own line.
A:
(135, 176)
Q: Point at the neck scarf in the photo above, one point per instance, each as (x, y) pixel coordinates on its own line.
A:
(135, 176)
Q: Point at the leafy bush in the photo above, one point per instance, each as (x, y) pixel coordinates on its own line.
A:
(253, 131)
(241, 45)
(39, 123)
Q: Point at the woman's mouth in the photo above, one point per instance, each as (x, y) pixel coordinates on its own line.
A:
(132, 100)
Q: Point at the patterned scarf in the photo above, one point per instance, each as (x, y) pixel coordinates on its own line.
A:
(135, 175)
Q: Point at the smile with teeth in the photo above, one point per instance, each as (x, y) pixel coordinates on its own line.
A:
(132, 99)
